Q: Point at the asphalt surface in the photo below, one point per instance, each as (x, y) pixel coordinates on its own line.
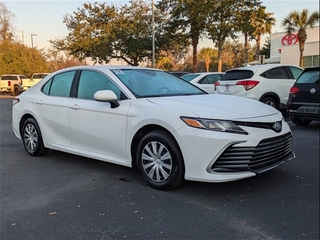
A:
(63, 196)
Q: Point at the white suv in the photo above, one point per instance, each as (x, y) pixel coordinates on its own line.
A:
(268, 83)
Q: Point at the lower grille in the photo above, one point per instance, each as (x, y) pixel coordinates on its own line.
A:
(269, 153)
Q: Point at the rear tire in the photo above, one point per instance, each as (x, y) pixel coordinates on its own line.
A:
(301, 122)
(159, 161)
(16, 91)
(32, 138)
(271, 102)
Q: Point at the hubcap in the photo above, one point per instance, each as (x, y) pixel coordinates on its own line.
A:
(270, 103)
(30, 137)
(156, 161)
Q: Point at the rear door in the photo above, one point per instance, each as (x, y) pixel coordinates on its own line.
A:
(52, 109)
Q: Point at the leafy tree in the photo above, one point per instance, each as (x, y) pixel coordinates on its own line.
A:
(6, 23)
(90, 32)
(262, 22)
(300, 21)
(207, 55)
(233, 54)
(16, 58)
(105, 32)
(221, 24)
(189, 18)
(57, 60)
(245, 16)
(266, 48)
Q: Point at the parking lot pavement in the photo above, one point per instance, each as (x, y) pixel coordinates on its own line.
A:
(63, 196)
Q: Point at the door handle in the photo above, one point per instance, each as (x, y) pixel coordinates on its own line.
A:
(75, 107)
(40, 102)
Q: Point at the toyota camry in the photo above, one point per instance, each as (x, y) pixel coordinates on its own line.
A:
(165, 127)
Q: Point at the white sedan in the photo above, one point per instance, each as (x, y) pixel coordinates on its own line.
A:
(203, 80)
(167, 128)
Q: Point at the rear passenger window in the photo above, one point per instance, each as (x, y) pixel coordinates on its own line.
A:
(59, 85)
(276, 73)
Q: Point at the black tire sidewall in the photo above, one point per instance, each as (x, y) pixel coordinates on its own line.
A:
(40, 149)
(176, 177)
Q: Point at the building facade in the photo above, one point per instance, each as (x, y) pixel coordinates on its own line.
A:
(285, 48)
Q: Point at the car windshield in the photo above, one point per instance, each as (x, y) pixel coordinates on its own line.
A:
(237, 75)
(311, 76)
(152, 83)
(189, 77)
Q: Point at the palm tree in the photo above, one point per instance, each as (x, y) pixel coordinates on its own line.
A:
(262, 23)
(300, 21)
(207, 54)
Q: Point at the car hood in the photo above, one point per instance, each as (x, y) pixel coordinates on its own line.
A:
(219, 106)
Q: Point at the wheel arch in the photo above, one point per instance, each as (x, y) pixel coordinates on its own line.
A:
(141, 132)
(23, 119)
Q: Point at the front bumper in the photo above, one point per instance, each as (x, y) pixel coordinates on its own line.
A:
(221, 157)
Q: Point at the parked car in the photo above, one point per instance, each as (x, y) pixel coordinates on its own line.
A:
(268, 83)
(204, 80)
(12, 83)
(35, 78)
(303, 103)
(166, 127)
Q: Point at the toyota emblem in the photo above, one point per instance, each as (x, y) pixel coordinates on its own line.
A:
(277, 126)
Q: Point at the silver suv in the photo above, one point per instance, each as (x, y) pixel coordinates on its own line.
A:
(268, 83)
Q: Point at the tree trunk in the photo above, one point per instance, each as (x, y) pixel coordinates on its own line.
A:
(245, 48)
(258, 47)
(195, 41)
(301, 49)
(220, 48)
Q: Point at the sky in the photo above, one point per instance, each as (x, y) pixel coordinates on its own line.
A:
(43, 18)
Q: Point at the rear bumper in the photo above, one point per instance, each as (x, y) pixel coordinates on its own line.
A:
(304, 111)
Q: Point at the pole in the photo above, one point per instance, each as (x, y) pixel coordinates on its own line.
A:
(153, 47)
(32, 34)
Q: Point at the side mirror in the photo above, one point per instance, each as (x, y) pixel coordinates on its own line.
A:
(107, 96)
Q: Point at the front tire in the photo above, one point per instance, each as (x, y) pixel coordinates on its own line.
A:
(159, 161)
(32, 138)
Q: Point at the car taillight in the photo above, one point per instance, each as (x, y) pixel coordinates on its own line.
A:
(9, 83)
(294, 90)
(248, 84)
(15, 101)
(215, 85)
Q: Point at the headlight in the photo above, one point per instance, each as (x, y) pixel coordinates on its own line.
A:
(214, 125)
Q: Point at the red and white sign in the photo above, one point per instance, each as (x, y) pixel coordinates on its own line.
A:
(290, 39)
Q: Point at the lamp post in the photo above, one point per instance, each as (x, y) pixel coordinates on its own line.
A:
(32, 35)
(153, 47)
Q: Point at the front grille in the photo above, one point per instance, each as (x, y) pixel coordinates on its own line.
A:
(267, 154)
